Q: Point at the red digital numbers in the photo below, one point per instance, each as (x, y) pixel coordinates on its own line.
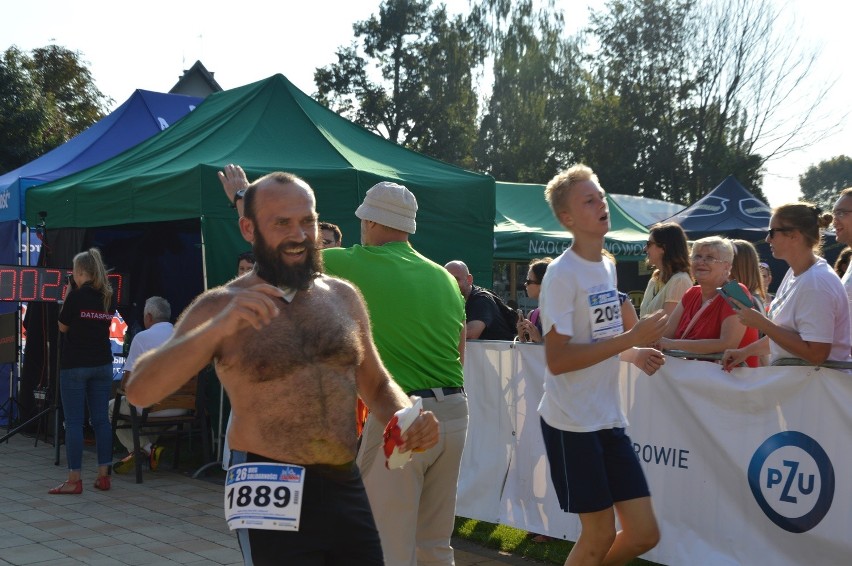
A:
(8, 284)
(19, 283)
(117, 282)
(52, 286)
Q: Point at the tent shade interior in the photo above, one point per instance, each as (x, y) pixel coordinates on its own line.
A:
(646, 211)
(269, 126)
(525, 227)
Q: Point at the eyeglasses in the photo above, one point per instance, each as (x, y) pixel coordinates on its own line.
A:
(705, 259)
(771, 232)
(840, 213)
(531, 282)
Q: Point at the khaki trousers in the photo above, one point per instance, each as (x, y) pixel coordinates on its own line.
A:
(415, 507)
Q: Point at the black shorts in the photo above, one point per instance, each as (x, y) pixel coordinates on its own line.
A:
(592, 470)
(336, 524)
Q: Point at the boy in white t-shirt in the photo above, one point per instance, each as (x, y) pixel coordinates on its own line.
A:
(592, 464)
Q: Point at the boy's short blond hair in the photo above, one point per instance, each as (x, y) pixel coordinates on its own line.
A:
(557, 190)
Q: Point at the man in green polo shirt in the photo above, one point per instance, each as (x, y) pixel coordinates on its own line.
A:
(417, 316)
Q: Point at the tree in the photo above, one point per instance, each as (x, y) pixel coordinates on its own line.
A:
(45, 100)
(424, 98)
(529, 130)
(698, 90)
(639, 74)
(822, 182)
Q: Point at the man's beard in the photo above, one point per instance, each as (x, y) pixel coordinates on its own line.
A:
(271, 268)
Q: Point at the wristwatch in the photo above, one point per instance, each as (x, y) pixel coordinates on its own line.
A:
(237, 196)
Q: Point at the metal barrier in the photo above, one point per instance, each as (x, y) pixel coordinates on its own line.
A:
(800, 362)
(693, 356)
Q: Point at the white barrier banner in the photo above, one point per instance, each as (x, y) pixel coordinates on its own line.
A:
(741, 466)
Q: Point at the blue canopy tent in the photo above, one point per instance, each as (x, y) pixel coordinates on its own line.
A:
(728, 210)
(141, 116)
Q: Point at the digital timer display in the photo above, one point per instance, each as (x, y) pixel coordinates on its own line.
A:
(22, 283)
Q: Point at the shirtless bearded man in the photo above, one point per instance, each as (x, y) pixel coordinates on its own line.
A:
(292, 348)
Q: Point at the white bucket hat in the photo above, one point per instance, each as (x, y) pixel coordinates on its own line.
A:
(391, 205)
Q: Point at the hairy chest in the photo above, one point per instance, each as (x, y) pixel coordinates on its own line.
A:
(304, 335)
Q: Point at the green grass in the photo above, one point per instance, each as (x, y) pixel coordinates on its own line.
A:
(515, 542)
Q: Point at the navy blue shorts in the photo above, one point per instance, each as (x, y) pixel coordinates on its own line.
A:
(592, 470)
(336, 526)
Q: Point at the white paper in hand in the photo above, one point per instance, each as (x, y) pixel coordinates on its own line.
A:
(400, 422)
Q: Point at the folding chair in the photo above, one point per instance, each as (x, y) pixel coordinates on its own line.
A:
(191, 397)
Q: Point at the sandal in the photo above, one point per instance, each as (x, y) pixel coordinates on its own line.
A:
(68, 488)
(102, 483)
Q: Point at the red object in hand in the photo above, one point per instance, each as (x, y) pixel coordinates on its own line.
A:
(392, 436)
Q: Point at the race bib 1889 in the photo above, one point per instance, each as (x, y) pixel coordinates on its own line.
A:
(261, 495)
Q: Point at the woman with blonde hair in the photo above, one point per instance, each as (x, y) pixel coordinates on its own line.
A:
(809, 316)
(746, 269)
(668, 252)
(85, 376)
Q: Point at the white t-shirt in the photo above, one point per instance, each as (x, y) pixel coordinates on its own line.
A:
(815, 305)
(847, 284)
(579, 299)
(148, 340)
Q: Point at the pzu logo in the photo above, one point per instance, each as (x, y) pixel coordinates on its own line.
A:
(792, 480)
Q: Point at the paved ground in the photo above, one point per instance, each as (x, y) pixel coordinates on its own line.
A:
(169, 519)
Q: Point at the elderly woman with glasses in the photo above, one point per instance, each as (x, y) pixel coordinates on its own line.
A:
(703, 322)
(809, 316)
(668, 252)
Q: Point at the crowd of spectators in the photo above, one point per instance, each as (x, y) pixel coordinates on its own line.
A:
(687, 277)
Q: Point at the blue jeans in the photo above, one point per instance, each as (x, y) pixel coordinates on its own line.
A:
(78, 387)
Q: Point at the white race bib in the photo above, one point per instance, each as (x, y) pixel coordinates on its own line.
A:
(264, 495)
(605, 315)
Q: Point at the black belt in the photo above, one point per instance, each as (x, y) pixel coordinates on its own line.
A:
(431, 393)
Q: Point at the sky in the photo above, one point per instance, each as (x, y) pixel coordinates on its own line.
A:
(130, 46)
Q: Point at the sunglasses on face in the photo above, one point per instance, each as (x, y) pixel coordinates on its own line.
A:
(771, 232)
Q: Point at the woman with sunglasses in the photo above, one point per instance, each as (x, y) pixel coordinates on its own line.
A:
(809, 316)
(529, 329)
(703, 322)
(668, 252)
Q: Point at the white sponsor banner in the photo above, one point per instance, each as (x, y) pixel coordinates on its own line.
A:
(751, 467)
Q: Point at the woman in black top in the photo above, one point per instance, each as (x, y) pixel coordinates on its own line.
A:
(86, 367)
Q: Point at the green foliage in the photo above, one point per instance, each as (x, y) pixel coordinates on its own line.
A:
(529, 128)
(663, 98)
(518, 543)
(821, 183)
(46, 98)
(657, 120)
(424, 97)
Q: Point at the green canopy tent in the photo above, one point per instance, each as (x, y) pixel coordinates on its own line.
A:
(525, 227)
(170, 182)
(267, 126)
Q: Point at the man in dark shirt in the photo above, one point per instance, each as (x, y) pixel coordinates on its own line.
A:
(484, 319)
